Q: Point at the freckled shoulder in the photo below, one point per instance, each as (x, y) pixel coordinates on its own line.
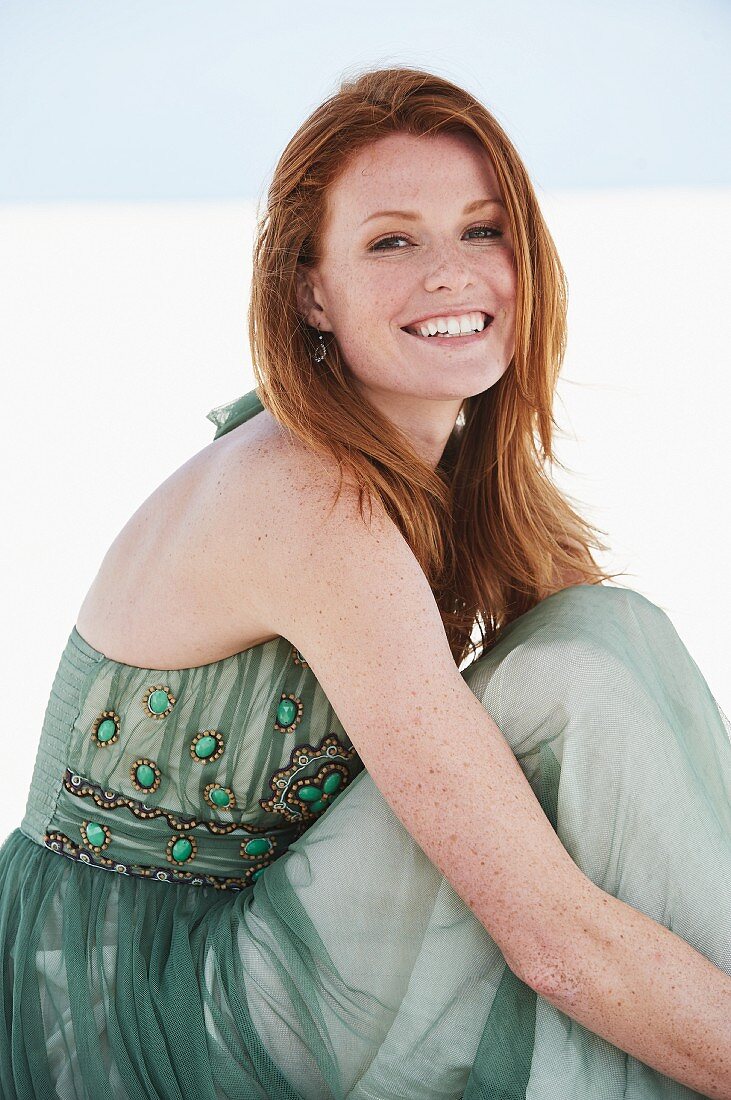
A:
(250, 463)
(273, 498)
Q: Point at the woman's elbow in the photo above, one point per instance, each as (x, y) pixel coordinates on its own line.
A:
(555, 977)
(557, 955)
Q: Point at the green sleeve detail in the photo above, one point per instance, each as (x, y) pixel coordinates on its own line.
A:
(229, 416)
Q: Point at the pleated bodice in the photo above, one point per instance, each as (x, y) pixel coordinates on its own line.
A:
(201, 775)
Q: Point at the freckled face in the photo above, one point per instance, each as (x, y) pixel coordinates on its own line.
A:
(377, 275)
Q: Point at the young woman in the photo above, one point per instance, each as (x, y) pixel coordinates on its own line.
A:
(340, 867)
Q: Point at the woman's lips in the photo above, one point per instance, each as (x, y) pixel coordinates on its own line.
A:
(444, 338)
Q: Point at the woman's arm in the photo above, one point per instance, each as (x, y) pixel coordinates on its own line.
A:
(635, 983)
(353, 598)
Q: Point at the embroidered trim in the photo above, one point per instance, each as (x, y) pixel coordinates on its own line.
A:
(58, 842)
(82, 787)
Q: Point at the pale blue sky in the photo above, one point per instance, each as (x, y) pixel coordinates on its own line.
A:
(194, 99)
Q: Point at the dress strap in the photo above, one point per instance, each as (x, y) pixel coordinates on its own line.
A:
(229, 416)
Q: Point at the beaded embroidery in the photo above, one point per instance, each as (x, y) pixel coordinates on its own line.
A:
(140, 765)
(187, 849)
(153, 701)
(254, 847)
(208, 794)
(82, 787)
(59, 842)
(302, 790)
(298, 658)
(85, 830)
(105, 728)
(300, 797)
(207, 746)
(289, 713)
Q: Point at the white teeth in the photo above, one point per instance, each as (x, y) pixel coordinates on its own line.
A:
(452, 326)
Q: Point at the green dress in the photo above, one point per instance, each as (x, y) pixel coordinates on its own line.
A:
(208, 896)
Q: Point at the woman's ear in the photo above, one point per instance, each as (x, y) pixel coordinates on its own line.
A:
(308, 295)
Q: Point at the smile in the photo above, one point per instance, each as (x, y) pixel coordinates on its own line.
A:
(457, 339)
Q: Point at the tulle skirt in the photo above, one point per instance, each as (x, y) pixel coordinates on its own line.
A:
(351, 968)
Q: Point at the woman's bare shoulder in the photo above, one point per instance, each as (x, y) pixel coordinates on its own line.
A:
(279, 498)
(269, 471)
(191, 548)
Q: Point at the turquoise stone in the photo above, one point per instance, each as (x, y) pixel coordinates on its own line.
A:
(95, 834)
(181, 849)
(220, 797)
(159, 701)
(286, 712)
(309, 794)
(145, 775)
(259, 871)
(332, 782)
(317, 806)
(106, 730)
(258, 846)
(205, 747)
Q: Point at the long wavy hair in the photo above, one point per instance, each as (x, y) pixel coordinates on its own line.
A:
(490, 529)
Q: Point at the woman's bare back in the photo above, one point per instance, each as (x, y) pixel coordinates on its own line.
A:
(171, 589)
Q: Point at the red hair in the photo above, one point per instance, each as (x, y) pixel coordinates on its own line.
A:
(489, 527)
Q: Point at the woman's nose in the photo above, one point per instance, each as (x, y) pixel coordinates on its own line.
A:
(448, 268)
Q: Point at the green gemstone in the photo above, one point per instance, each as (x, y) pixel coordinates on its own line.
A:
(220, 796)
(106, 730)
(158, 702)
(259, 871)
(258, 846)
(95, 834)
(145, 775)
(286, 712)
(309, 794)
(181, 849)
(205, 747)
(317, 806)
(332, 782)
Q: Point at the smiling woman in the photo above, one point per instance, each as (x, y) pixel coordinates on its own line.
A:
(336, 866)
(449, 268)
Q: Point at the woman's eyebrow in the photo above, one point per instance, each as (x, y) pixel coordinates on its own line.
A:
(415, 217)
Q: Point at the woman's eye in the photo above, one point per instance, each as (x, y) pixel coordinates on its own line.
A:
(378, 246)
(384, 241)
(488, 228)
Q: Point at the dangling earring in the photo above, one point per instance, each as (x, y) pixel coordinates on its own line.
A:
(321, 352)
